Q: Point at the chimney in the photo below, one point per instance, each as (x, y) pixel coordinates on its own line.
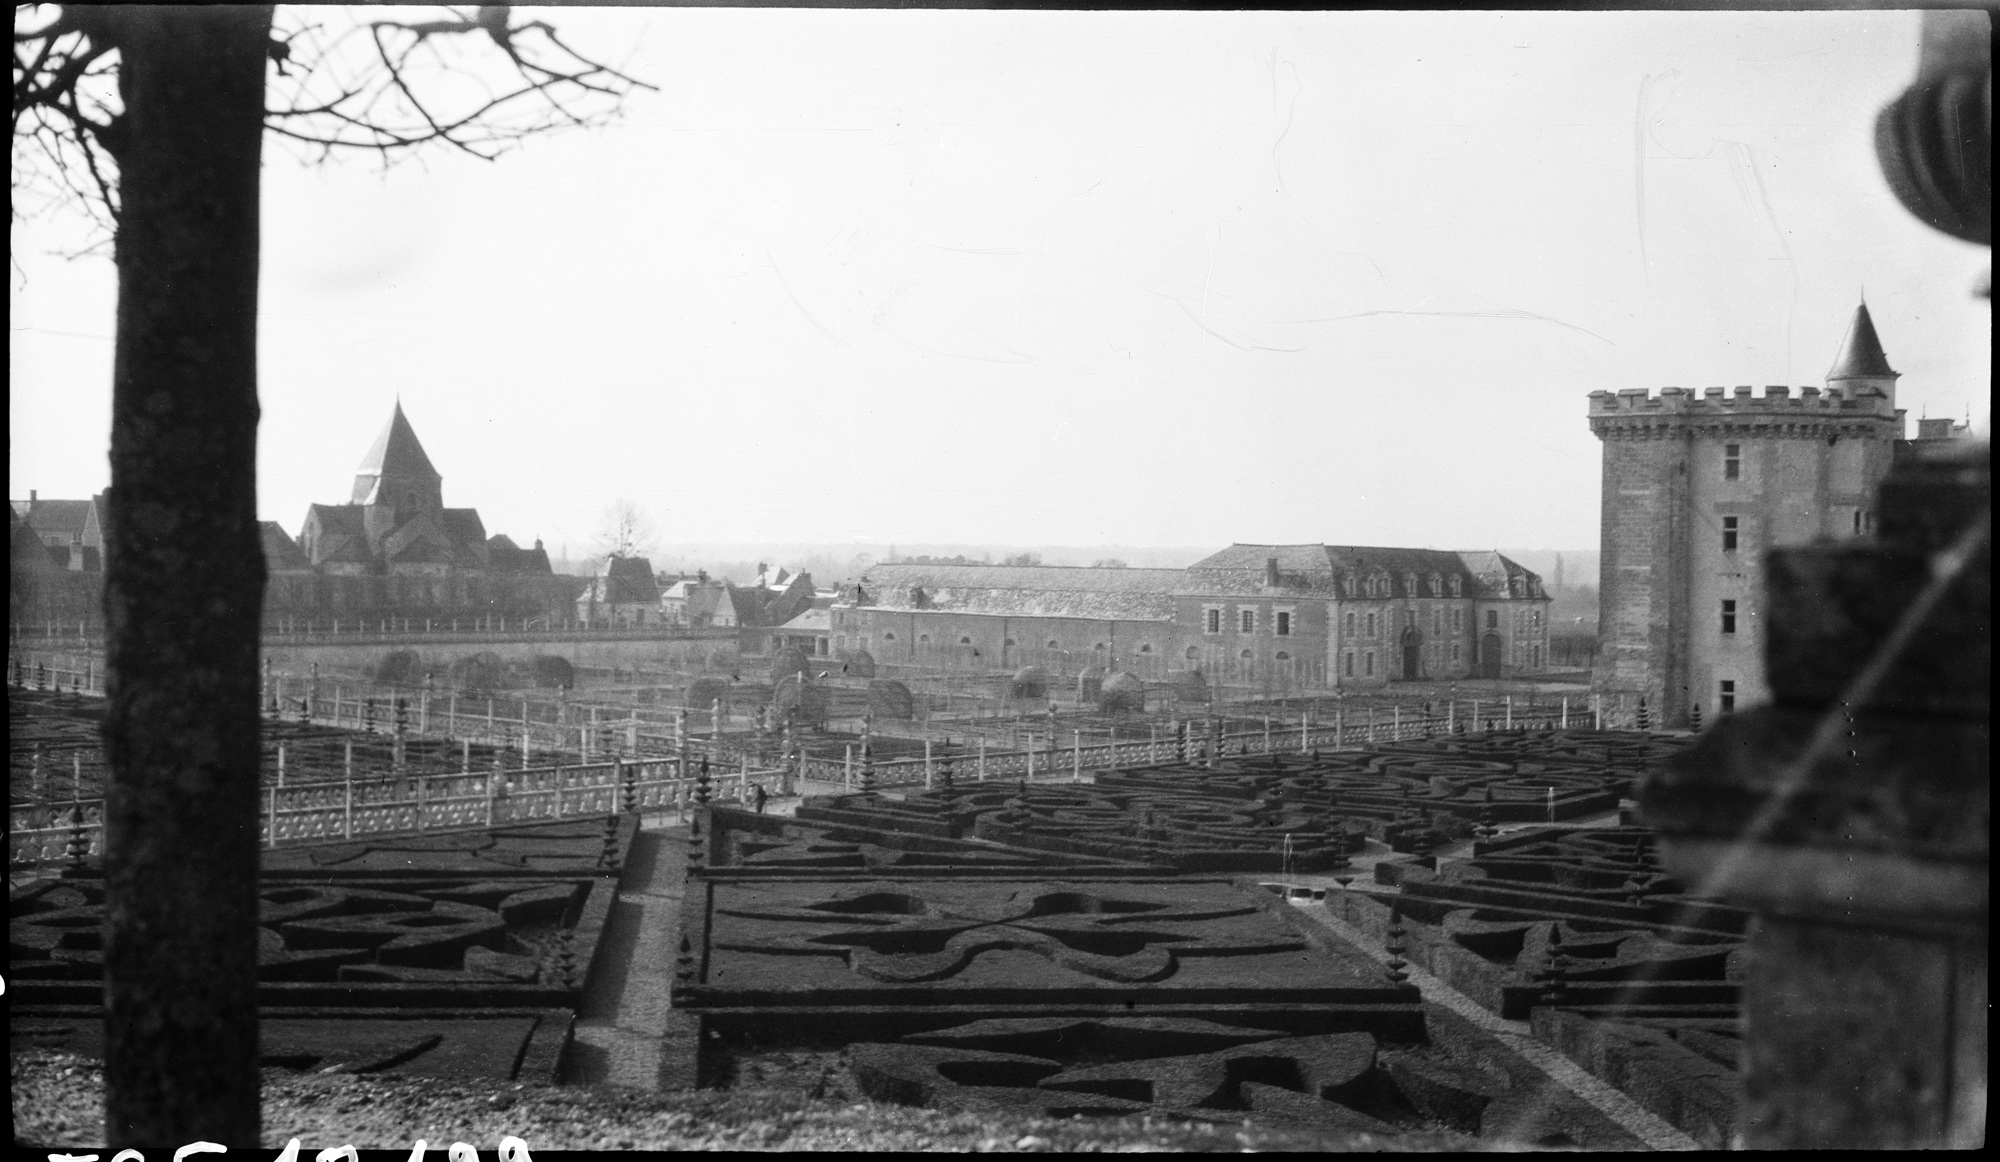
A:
(1271, 572)
(31, 499)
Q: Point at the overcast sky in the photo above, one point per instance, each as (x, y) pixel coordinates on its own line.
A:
(1073, 278)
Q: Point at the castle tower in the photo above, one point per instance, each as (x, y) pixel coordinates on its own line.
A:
(1697, 488)
(396, 474)
(1861, 368)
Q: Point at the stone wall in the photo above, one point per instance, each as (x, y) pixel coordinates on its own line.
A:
(1853, 815)
(1804, 470)
(438, 652)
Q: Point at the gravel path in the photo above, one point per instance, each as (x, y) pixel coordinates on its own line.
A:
(58, 1099)
(627, 1000)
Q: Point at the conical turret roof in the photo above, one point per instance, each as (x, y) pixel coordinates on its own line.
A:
(1861, 354)
(397, 452)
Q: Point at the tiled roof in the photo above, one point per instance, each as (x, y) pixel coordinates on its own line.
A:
(397, 451)
(463, 526)
(748, 604)
(26, 550)
(342, 534)
(1024, 590)
(420, 539)
(782, 605)
(281, 553)
(811, 621)
(504, 556)
(628, 581)
(467, 534)
(1499, 576)
(59, 517)
(1323, 571)
(1861, 352)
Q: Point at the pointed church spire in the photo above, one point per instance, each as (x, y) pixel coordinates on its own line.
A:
(1861, 354)
(396, 470)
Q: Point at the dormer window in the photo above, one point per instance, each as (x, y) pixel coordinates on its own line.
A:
(1347, 585)
(1409, 584)
(1456, 581)
(1437, 585)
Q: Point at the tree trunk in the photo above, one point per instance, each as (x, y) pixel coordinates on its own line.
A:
(184, 583)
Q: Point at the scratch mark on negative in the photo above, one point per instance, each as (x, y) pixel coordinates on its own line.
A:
(768, 257)
(1500, 313)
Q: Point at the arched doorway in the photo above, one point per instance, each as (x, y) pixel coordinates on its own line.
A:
(1489, 656)
(1413, 654)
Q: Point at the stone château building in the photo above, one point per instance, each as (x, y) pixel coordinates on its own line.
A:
(1698, 487)
(1279, 617)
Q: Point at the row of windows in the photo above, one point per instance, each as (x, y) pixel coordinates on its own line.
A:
(1246, 621)
(924, 639)
(1379, 585)
(1864, 522)
(1528, 619)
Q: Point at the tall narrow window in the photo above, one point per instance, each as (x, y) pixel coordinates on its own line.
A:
(1214, 621)
(1284, 628)
(1729, 534)
(1492, 619)
(1370, 662)
(1350, 663)
(1857, 522)
(1350, 625)
(1732, 461)
(1726, 695)
(1371, 625)
(1248, 621)
(1728, 616)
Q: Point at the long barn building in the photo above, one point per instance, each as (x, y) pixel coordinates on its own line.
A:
(1279, 617)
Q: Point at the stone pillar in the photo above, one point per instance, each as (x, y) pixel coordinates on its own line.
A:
(1851, 815)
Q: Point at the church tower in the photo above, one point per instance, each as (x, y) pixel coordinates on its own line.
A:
(397, 475)
(1698, 487)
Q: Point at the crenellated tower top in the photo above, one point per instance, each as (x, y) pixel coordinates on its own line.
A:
(1859, 399)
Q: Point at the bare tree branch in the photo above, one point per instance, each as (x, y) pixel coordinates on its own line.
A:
(384, 86)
